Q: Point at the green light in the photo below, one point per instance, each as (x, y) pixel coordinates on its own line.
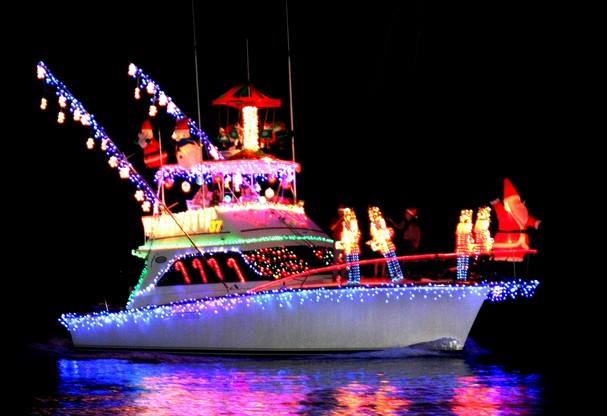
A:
(219, 240)
(142, 277)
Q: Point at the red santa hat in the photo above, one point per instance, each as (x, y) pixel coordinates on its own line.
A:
(146, 134)
(509, 189)
(182, 128)
(146, 127)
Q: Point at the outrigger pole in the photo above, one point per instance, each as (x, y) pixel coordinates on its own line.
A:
(116, 157)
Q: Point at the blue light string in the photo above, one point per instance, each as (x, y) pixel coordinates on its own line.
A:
(462, 267)
(498, 291)
(394, 269)
(143, 80)
(354, 270)
(98, 133)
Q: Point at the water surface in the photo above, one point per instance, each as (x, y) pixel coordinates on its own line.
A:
(165, 384)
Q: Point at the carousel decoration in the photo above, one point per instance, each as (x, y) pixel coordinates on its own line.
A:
(247, 100)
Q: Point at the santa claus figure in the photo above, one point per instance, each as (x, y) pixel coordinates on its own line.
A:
(189, 152)
(513, 221)
(152, 157)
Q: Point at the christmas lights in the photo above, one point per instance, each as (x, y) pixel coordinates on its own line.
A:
(234, 265)
(135, 290)
(381, 241)
(224, 240)
(162, 99)
(464, 243)
(191, 221)
(350, 237)
(266, 263)
(215, 267)
(275, 262)
(251, 128)
(115, 157)
(493, 291)
(257, 168)
(483, 243)
(181, 268)
(197, 265)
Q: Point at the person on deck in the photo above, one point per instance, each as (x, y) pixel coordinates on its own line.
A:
(223, 140)
(409, 230)
(236, 136)
(202, 199)
(409, 233)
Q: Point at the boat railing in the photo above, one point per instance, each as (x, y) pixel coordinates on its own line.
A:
(302, 277)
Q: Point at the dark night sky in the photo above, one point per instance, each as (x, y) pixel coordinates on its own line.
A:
(398, 104)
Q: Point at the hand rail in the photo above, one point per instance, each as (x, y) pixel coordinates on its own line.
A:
(407, 258)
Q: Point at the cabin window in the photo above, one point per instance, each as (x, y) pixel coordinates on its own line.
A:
(253, 265)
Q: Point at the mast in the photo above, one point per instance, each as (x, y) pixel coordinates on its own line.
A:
(291, 99)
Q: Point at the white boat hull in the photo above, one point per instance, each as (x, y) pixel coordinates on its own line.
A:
(306, 321)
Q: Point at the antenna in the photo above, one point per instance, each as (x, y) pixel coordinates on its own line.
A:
(196, 63)
(290, 83)
(198, 100)
(248, 68)
(291, 100)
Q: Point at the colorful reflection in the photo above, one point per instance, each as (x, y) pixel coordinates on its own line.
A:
(358, 399)
(162, 384)
(473, 396)
(195, 394)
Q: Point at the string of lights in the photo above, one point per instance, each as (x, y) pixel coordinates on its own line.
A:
(116, 159)
(158, 98)
(493, 291)
(382, 241)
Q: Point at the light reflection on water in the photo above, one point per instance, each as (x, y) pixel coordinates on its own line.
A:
(173, 385)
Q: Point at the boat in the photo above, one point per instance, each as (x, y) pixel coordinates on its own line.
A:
(243, 270)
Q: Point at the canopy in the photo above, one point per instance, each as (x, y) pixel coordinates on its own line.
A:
(246, 95)
(264, 166)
